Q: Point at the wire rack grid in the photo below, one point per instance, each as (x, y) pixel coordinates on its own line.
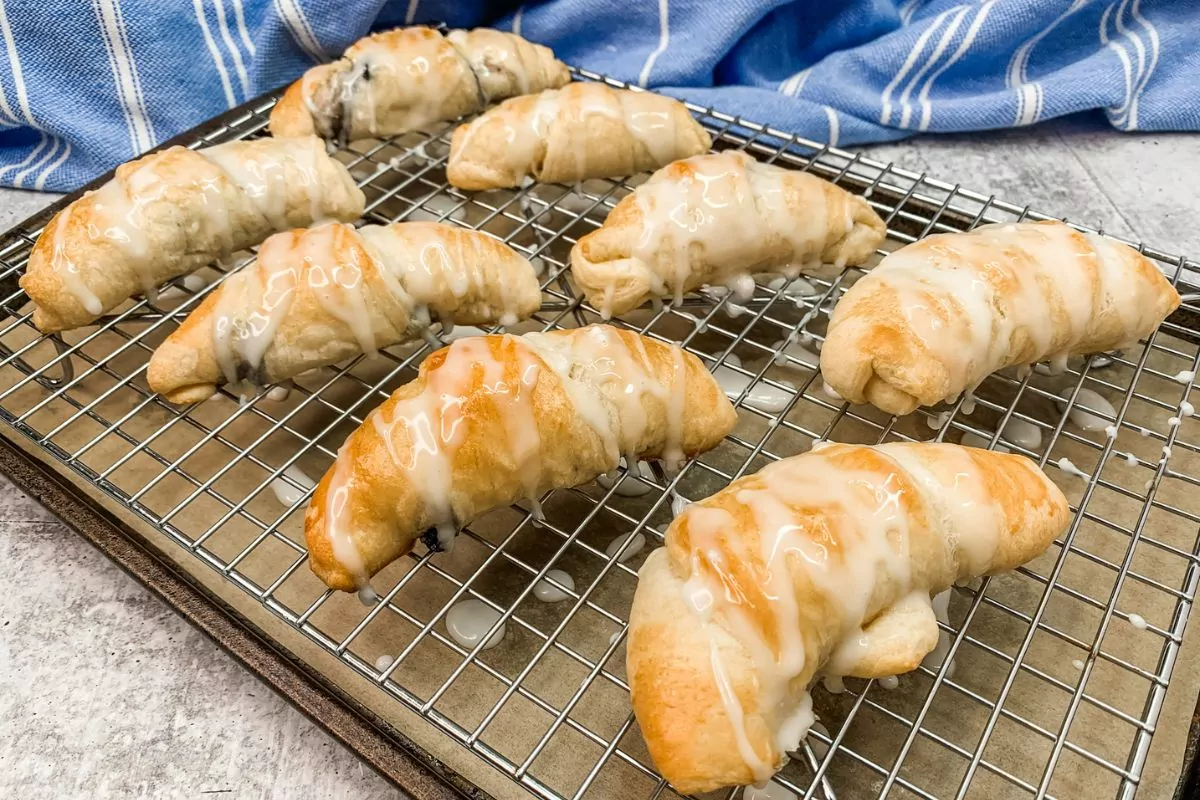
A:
(1049, 681)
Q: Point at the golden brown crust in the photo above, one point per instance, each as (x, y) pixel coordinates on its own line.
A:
(1039, 277)
(185, 211)
(186, 368)
(290, 116)
(385, 510)
(738, 236)
(1017, 512)
(394, 81)
(584, 130)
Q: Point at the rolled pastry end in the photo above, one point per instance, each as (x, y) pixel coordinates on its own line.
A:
(291, 116)
(56, 308)
(676, 698)
(365, 539)
(321, 558)
(866, 359)
(183, 368)
(611, 287)
(477, 176)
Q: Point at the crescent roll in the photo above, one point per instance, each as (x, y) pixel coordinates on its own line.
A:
(584, 130)
(172, 212)
(938, 316)
(823, 563)
(400, 80)
(318, 296)
(720, 218)
(494, 419)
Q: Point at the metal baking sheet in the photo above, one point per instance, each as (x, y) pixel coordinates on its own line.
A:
(1049, 687)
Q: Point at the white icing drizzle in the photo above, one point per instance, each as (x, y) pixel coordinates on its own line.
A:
(720, 193)
(761, 395)
(1186, 409)
(434, 422)
(769, 791)
(678, 503)
(262, 178)
(1067, 466)
(341, 541)
(368, 596)
(260, 174)
(285, 492)
(280, 392)
(942, 285)
(1077, 664)
(505, 369)
(865, 513)
(254, 302)
(1137, 621)
(937, 656)
(468, 621)
(788, 349)
(416, 263)
(831, 393)
(1186, 376)
(382, 663)
(938, 421)
(547, 592)
(637, 543)
(890, 683)
(68, 270)
(608, 361)
(649, 118)
(1022, 433)
(1091, 412)
(627, 486)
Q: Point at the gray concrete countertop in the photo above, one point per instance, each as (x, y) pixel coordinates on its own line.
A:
(104, 692)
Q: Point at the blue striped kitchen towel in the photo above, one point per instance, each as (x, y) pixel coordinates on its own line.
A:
(87, 84)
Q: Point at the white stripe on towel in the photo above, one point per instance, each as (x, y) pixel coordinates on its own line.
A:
(942, 45)
(963, 46)
(45, 158)
(885, 115)
(664, 39)
(124, 73)
(15, 62)
(240, 13)
(215, 52)
(232, 47)
(40, 183)
(301, 31)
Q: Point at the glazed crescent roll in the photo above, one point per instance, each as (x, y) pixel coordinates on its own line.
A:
(400, 80)
(495, 419)
(172, 212)
(938, 316)
(584, 130)
(720, 218)
(318, 296)
(819, 564)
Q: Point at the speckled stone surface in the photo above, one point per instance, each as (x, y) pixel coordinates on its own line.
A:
(104, 692)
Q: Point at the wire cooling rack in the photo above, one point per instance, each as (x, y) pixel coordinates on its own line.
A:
(1049, 681)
